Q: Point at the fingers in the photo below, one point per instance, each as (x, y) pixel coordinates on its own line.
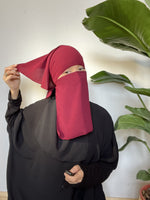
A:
(11, 73)
(12, 79)
(11, 76)
(11, 67)
(75, 169)
(77, 178)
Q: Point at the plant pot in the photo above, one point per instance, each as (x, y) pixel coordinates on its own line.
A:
(145, 187)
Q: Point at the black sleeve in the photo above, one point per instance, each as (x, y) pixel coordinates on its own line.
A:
(13, 109)
(98, 172)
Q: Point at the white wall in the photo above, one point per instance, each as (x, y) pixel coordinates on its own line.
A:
(32, 28)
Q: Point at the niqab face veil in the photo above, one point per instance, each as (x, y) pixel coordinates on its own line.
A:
(72, 100)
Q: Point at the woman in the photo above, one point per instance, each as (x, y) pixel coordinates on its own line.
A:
(62, 132)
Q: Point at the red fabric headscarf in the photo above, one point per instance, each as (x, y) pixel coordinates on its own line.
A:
(72, 100)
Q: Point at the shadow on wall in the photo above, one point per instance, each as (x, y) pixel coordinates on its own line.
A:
(127, 65)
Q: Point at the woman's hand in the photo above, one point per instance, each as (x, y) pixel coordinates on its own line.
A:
(12, 79)
(77, 177)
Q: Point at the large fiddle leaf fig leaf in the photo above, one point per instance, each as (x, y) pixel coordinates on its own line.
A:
(143, 175)
(131, 121)
(106, 77)
(141, 112)
(133, 139)
(123, 24)
(147, 2)
(143, 91)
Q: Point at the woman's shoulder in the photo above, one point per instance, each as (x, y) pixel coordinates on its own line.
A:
(39, 105)
(99, 112)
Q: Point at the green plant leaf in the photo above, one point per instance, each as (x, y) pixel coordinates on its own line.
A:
(143, 175)
(132, 122)
(141, 112)
(133, 139)
(122, 24)
(106, 77)
(143, 91)
(147, 2)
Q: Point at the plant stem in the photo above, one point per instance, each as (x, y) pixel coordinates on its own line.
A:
(147, 147)
(141, 100)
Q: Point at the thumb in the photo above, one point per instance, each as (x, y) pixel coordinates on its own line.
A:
(75, 169)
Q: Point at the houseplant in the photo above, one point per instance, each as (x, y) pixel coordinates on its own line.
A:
(138, 119)
(125, 25)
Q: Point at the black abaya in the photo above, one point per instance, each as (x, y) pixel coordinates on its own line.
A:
(38, 158)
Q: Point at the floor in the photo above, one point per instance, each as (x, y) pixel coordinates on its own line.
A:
(3, 196)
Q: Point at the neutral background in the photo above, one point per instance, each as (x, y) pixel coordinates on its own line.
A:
(31, 28)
